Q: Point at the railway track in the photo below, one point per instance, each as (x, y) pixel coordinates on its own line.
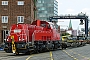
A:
(66, 54)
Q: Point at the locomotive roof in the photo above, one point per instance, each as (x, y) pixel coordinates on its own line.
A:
(41, 22)
(50, 23)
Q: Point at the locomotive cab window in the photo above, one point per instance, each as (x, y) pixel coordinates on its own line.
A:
(43, 25)
(48, 26)
(52, 26)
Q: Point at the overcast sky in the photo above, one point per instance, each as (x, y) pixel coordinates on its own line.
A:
(73, 7)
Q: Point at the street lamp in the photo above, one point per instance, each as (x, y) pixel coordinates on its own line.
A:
(81, 22)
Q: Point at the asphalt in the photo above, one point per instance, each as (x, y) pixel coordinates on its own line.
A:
(79, 53)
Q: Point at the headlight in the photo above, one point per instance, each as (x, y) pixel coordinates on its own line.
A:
(22, 39)
(8, 39)
(5, 39)
(19, 39)
(23, 45)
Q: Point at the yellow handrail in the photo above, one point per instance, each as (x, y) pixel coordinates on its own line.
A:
(13, 45)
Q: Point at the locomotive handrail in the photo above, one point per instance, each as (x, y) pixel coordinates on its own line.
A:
(33, 38)
(28, 36)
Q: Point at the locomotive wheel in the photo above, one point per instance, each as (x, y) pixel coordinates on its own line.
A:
(29, 52)
(64, 46)
(55, 47)
(35, 51)
(52, 47)
(40, 49)
(16, 53)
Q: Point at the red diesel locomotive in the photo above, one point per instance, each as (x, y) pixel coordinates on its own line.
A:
(38, 36)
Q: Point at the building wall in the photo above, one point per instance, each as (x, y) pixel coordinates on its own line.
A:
(74, 32)
(12, 10)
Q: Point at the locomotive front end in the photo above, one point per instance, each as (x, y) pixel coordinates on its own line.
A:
(17, 39)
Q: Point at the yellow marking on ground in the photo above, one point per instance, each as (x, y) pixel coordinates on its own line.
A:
(70, 55)
(88, 59)
(83, 56)
(75, 59)
(51, 55)
(80, 55)
(29, 57)
(74, 52)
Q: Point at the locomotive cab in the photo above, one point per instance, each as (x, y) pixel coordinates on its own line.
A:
(17, 38)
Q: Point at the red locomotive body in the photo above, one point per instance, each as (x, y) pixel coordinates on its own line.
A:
(38, 36)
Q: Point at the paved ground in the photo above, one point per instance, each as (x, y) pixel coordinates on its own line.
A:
(79, 53)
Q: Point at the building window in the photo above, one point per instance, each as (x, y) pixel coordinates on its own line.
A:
(20, 3)
(42, 8)
(42, 1)
(4, 19)
(39, 1)
(4, 2)
(20, 19)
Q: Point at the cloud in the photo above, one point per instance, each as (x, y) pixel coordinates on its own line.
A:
(85, 9)
(70, 10)
(60, 3)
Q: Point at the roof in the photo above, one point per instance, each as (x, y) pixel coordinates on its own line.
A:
(70, 26)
